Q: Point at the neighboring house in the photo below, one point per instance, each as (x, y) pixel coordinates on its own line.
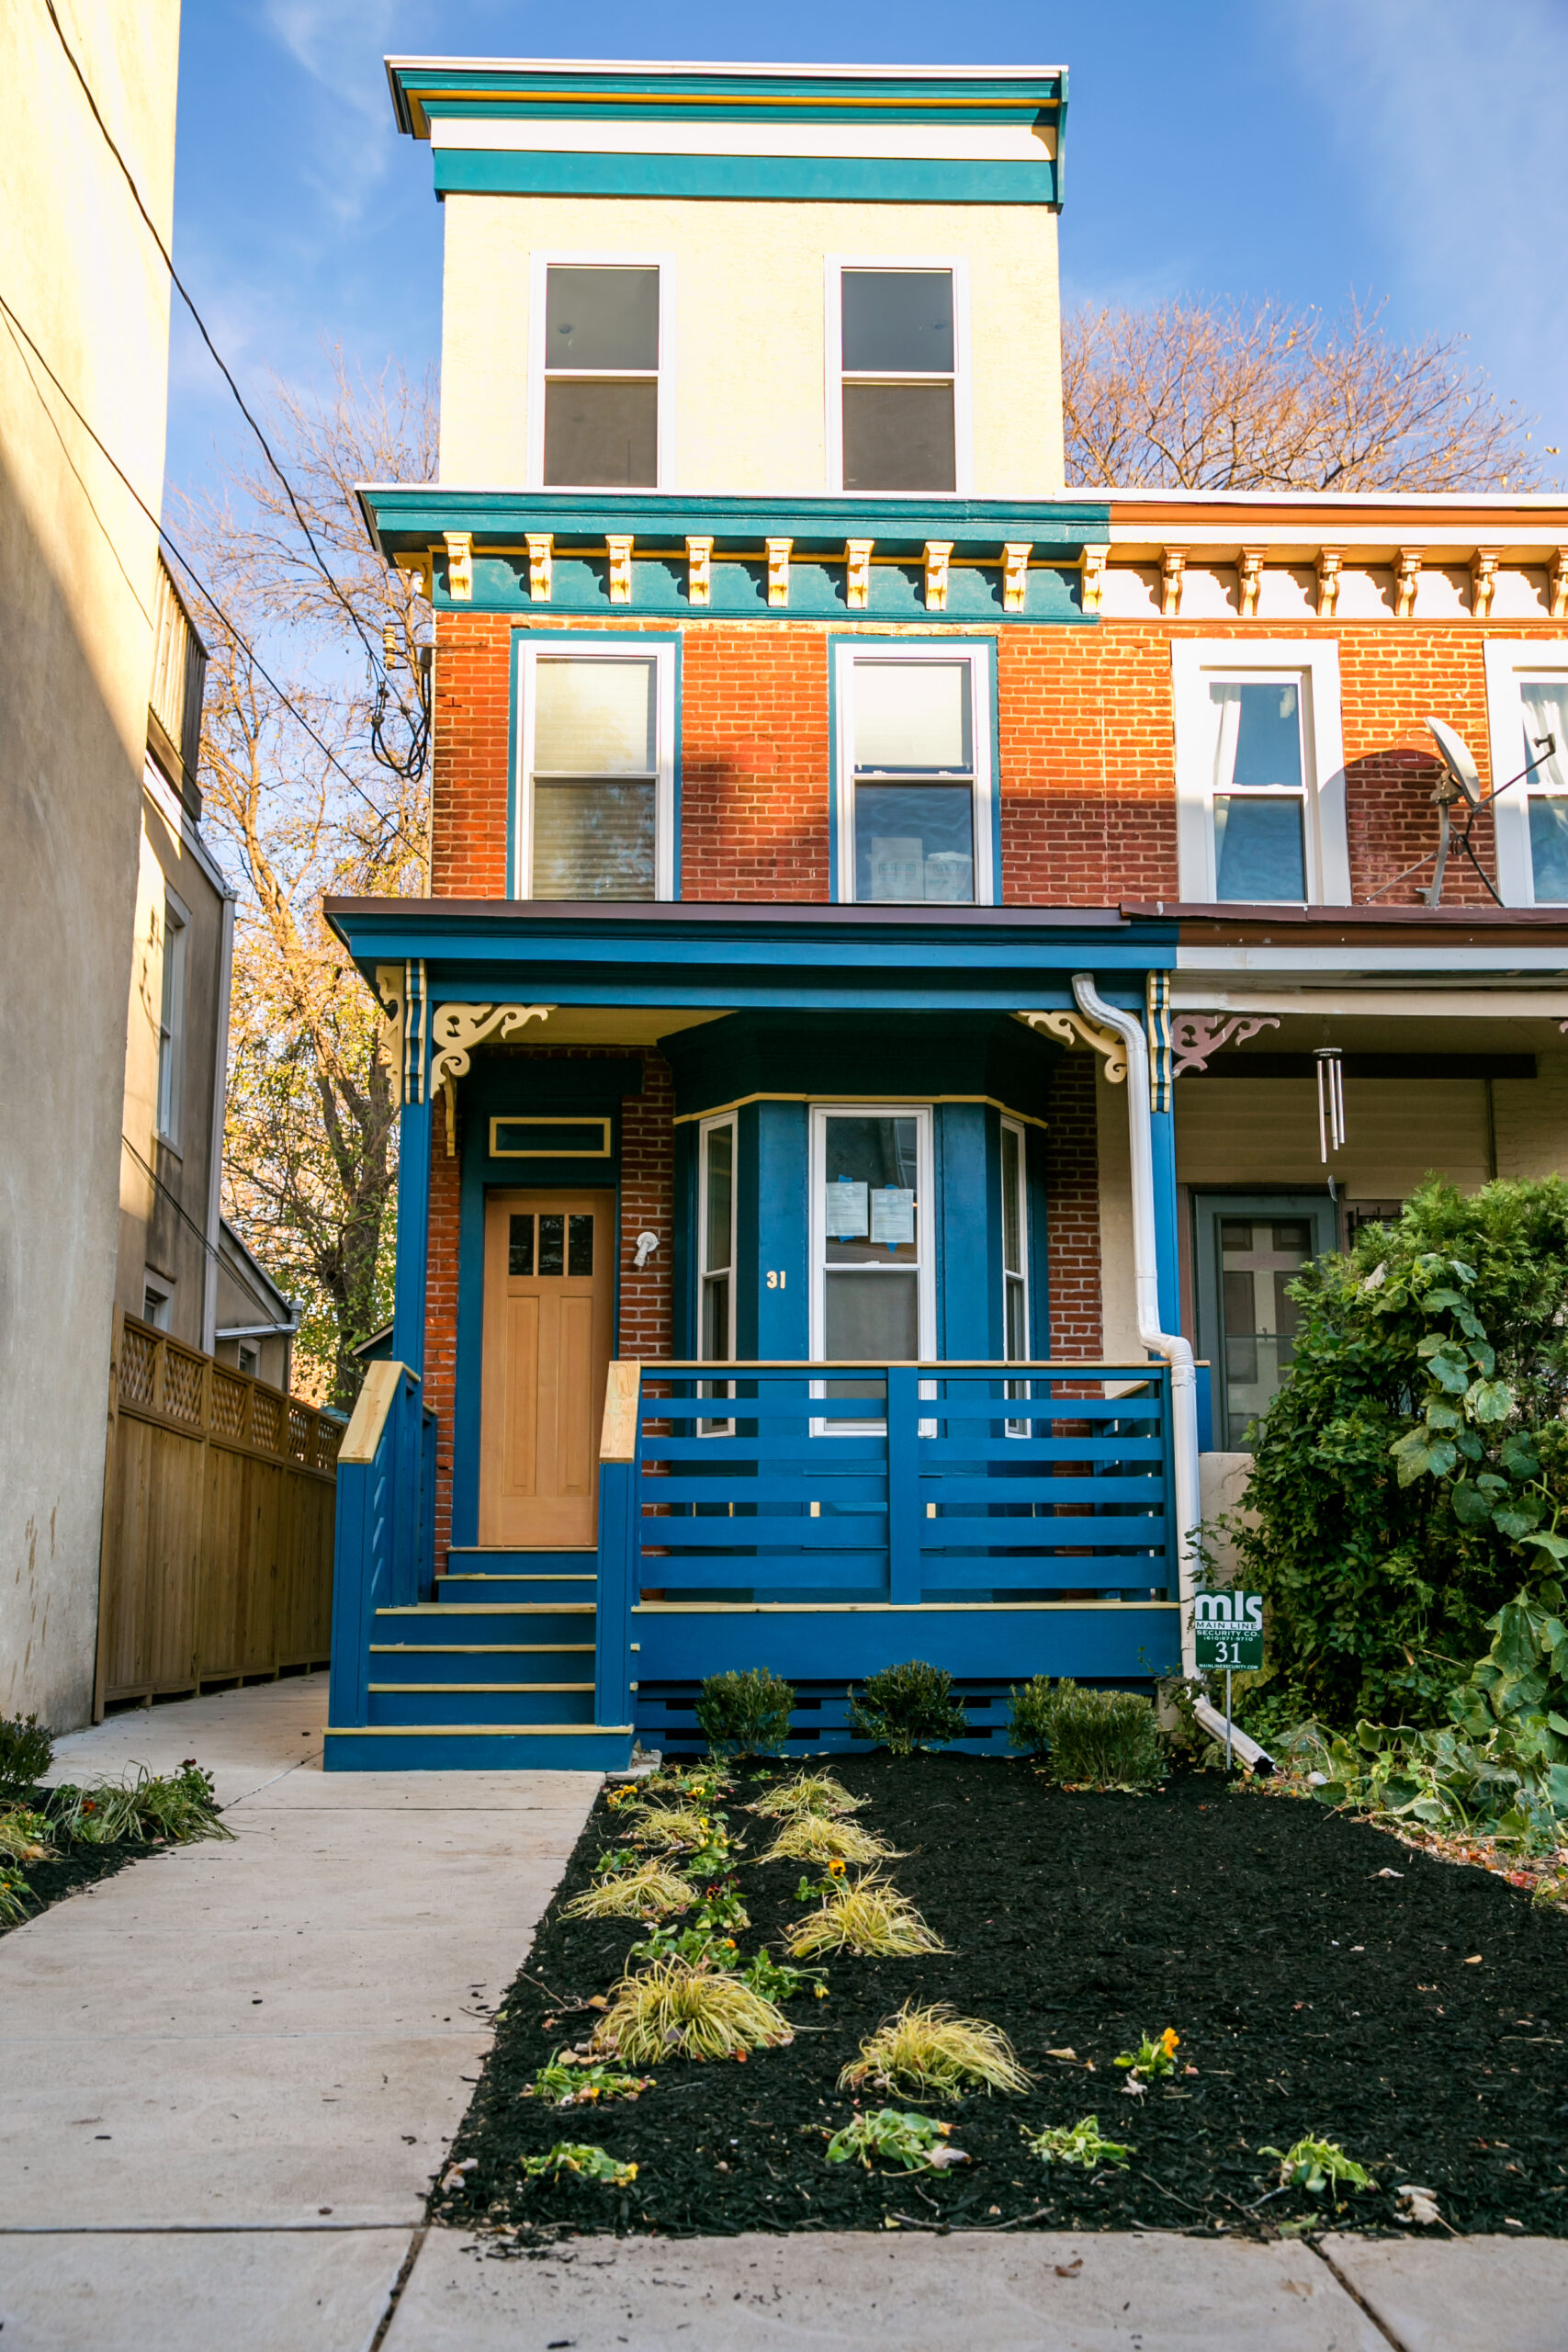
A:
(255, 1322)
(170, 1257)
(893, 920)
(85, 335)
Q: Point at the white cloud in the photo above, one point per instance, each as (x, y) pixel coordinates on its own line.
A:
(1454, 119)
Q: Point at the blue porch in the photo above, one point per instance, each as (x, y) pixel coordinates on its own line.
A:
(819, 1511)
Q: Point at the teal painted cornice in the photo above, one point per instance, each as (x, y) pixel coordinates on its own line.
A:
(602, 90)
(743, 179)
(411, 521)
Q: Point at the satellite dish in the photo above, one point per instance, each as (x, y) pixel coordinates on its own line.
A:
(1461, 769)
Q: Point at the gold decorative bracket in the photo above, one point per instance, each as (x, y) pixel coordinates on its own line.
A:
(541, 566)
(459, 566)
(618, 547)
(1484, 580)
(938, 551)
(1015, 574)
(699, 571)
(1073, 1030)
(1407, 565)
(1157, 1029)
(400, 990)
(857, 573)
(456, 1030)
(1249, 573)
(1557, 581)
(1095, 559)
(1330, 565)
(1173, 568)
(778, 571)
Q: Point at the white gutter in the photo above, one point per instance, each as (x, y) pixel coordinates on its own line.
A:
(1177, 1351)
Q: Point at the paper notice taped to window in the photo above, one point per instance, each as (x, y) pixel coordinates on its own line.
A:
(846, 1210)
(891, 1215)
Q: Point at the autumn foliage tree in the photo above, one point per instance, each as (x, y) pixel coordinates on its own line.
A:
(1226, 395)
(299, 812)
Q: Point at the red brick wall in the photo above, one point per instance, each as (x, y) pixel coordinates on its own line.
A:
(754, 802)
(648, 1203)
(1072, 1182)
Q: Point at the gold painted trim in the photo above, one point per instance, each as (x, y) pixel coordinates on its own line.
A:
(683, 1118)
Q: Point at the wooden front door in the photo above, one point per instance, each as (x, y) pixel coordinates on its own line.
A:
(549, 1283)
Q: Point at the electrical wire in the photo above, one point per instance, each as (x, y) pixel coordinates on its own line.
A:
(419, 733)
(168, 541)
(181, 1211)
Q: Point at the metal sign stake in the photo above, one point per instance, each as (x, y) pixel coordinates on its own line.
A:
(1227, 1719)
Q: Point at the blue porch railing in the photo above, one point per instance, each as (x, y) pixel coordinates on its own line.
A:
(903, 1486)
(384, 1554)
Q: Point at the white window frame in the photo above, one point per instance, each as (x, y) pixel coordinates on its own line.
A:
(1509, 662)
(162, 1290)
(664, 438)
(957, 264)
(925, 1228)
(174, 966)
(1312, 665)
(980, 654)
(567, 647)
(706, 1129)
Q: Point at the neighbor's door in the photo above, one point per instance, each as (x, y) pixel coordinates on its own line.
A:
(550, 1281)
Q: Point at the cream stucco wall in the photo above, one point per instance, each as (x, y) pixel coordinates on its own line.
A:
(750, 332)
(1264, 1131)
(78, 572)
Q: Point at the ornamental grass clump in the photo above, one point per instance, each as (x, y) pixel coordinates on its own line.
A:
(673, 2009)
(670, 1826)
(811, 1838)
(1098, 1740)
(745, 1714)
(905, 1707)
(178, 1807)
(808, 1793)
(15, 1897)
(651, 1891)
(930, 2052)
(864, 1916)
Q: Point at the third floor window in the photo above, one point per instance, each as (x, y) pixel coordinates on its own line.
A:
(601, 376)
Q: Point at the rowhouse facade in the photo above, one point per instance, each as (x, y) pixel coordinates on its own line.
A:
(915, 955)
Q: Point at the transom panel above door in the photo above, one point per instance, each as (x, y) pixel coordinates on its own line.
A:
(550, 1296)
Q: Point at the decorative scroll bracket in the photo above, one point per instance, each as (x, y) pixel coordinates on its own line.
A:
(1015, 574)
(1408, 563)
(699, 571)
(1330, 572)
(456, 1030)
(459, 566)
(1074, 1030)
(1095, 558)
(541, 565)
(938, 552)
(857, 573)
(778, 569)
(401, 992)
(1157, 1029)
(1196, 1035)
(618, 547)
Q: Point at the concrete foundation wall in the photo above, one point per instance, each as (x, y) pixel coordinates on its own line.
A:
(78, 574)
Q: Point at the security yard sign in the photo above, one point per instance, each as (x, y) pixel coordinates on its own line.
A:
(1229, 1627)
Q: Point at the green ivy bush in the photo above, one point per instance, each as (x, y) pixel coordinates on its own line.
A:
(1106, 1739)
(1411, 1472)
(905, 1707)
(745, 1714)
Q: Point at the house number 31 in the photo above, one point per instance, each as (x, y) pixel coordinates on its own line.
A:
(777, 1279)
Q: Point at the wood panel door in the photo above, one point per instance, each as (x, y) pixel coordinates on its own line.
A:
(550, 1287)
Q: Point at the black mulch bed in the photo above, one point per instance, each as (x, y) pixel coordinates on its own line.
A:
(1312, 1992)
(73, 1868)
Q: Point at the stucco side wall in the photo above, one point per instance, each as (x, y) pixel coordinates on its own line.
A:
(77, 599)
(750, 335)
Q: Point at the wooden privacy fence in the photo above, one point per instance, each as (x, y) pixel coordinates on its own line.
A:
(219, 1501)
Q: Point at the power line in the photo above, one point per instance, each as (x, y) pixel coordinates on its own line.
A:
(416, 762)
(235, 1273)
(184, 561)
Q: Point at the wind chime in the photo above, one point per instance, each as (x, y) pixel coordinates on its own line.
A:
(1330, 1105)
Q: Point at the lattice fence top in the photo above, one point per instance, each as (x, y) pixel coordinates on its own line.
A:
(161, 1379)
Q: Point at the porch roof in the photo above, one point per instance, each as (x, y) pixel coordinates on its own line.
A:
(708, 955)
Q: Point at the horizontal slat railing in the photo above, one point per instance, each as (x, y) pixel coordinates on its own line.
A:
(936, 1482)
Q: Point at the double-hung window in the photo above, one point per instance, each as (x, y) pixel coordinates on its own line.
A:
(1527, 687)
(917, 817)
(602, 345)
(1260, 779)
(172, 1019)
(595, 803)
(896, 393)
(716, 1242)
(1015, 1246)
(874, 1296)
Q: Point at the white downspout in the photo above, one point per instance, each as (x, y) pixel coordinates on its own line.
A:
(1177, 1351)
(215, 1132)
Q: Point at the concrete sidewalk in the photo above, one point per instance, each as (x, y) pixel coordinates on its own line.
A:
(227, 2074)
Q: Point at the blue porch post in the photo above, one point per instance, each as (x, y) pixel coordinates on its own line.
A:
(414, 1136)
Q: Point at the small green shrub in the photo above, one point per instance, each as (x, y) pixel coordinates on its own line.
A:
(905, 1707)
(914, 2142)
(1103, 1739)
(26, 1751)
(745, 1714)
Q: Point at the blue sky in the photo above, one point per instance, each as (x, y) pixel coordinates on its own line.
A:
(1410, 150)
